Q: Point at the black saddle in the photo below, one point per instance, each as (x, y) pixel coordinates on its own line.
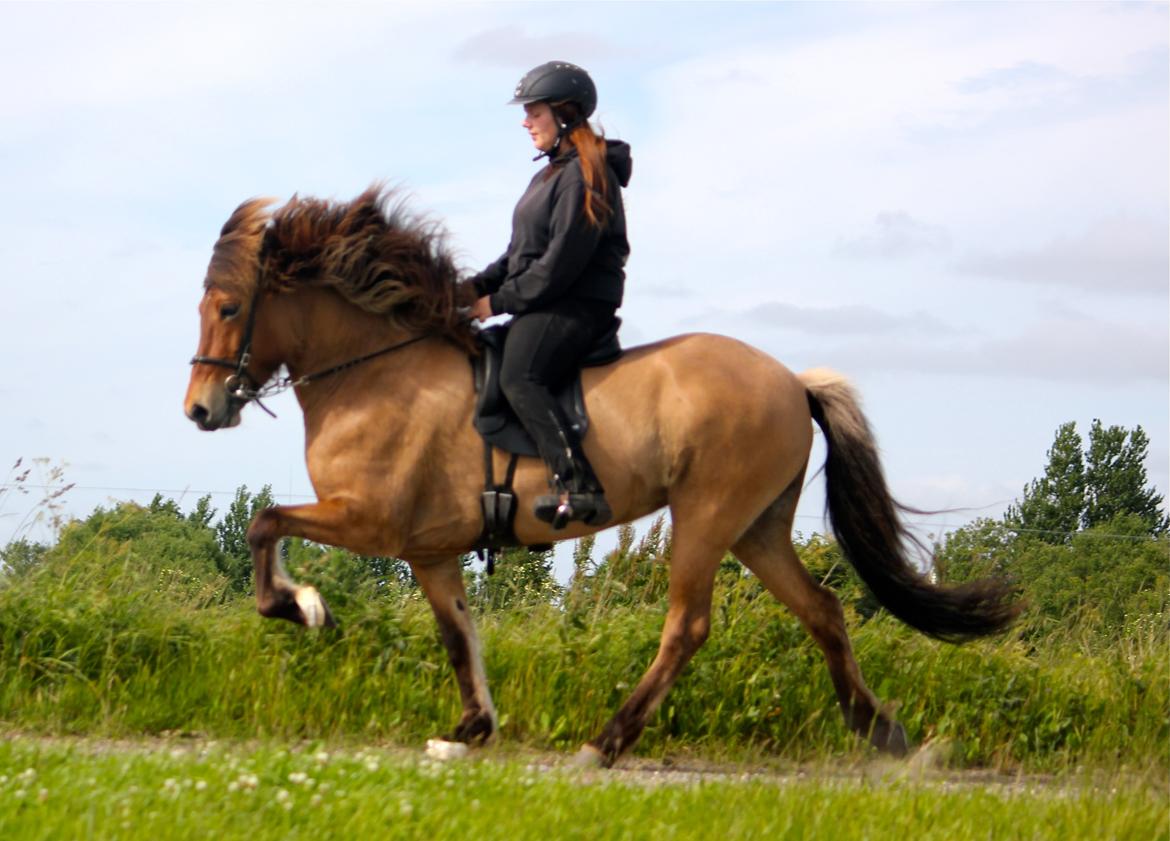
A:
(494, 418)
(500, 428)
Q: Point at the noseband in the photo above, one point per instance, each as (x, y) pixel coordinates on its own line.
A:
(242, 387)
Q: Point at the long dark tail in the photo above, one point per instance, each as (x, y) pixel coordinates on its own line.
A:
(874, 540)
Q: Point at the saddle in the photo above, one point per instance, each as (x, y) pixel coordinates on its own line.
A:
(499, 427)
(494, 418)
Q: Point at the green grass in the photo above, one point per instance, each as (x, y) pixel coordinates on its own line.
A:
(55, 789)
(104, 645)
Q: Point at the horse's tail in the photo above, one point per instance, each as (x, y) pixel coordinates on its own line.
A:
(865, 519)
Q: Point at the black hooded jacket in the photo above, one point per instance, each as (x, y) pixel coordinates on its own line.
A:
(555, 252)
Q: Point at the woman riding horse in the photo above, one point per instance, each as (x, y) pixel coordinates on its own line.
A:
(561, 277)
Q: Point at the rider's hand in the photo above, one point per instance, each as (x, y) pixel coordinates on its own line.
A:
(482, 309)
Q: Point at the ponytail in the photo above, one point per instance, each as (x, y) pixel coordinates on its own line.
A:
(590, 148)
(591, 152)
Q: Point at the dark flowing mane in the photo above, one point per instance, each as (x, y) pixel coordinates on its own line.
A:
(372, 251)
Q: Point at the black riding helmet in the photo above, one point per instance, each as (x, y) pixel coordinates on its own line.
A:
(557, 81)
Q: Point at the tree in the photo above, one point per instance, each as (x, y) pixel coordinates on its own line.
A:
(1115, 479)
(521, 577)
(127, 546)
(1053, 505)
(232, 534)
(203, 513)
(1081, 490)
(20, 556)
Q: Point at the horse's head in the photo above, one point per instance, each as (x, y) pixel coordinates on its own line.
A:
(227, 364)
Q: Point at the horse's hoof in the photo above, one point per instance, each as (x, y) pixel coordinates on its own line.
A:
(443, 750)
(587, 758)
(895, 742)
(314, 612)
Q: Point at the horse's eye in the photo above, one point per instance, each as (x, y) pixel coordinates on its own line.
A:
(229, 311)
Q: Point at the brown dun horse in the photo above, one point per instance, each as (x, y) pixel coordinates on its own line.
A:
(706, 425)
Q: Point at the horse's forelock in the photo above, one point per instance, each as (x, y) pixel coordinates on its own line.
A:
(235, 258)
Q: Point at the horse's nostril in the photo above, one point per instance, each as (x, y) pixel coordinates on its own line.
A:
(199, 414)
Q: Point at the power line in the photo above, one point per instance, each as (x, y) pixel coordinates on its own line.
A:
(920, 524)
(182, 491)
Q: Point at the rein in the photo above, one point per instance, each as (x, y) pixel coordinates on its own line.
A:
(237, 383)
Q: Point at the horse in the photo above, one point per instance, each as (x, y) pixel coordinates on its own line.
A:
(360, 301)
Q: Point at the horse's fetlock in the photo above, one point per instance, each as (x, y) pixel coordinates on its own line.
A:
(475, 729)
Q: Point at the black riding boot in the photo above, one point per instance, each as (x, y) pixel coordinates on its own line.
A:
(578, 492)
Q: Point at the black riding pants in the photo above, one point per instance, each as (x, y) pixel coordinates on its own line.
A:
(543, 351)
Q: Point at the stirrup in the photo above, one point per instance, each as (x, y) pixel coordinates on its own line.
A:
(589, 508)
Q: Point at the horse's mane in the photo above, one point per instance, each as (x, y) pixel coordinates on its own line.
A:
(372, 251)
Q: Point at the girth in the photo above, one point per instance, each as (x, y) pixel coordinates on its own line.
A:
(499, 427)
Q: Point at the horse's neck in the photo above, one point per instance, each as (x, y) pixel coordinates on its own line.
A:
(395, 385)
(324, 330)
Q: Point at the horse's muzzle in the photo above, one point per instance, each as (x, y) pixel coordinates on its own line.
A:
(211, 418)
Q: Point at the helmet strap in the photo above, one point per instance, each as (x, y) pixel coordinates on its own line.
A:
(564, 129)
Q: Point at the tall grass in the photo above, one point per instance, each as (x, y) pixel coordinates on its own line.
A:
(104, 643)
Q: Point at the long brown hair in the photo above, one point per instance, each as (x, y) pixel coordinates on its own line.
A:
(590, 148)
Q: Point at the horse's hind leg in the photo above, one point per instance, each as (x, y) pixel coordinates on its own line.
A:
(693, 564)
(766, 549)
(443, 585)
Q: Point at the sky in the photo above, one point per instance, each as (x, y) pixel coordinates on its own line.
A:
(963, 207)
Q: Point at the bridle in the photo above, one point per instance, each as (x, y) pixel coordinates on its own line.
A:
(242, 387)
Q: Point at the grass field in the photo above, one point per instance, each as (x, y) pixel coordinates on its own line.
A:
(142, 699)
(60, 788)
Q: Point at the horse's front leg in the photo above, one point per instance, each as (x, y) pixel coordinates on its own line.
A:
(277, 595)
(443, 585)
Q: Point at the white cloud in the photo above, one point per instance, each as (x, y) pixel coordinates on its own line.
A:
(1119, 254)
(896, 234)
(829, 321)
(512, 45)
(1083, 351)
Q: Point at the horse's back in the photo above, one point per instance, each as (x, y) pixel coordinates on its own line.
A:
(698, 398)
(717, 366)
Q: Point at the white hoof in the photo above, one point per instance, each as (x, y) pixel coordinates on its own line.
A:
(588, 757)
(443, 750)
(312, 606)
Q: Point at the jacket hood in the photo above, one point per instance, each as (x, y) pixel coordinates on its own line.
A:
(617, 155)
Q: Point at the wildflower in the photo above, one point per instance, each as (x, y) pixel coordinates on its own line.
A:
(43, 795)
(282, 795)
(321, 757)
(298, 778)
(200, 785)
(405, 809)
(27, 774)
(371, 765)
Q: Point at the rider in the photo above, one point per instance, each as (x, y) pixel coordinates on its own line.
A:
(561, 277)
